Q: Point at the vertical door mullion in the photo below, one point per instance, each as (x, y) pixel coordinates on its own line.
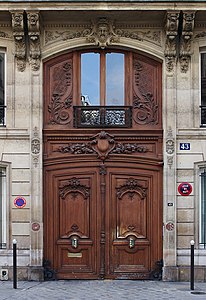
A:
(102, 78)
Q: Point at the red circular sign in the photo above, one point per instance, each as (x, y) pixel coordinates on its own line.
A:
(185, 189)
(170, 226)
(20, 202)
(35, 226)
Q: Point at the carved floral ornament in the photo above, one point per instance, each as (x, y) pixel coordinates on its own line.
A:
(103, 32)
(103, 144)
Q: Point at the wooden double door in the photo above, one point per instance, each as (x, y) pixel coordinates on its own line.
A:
(102, 172)
(103, 220)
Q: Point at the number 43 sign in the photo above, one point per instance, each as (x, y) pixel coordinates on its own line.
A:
(184, 146)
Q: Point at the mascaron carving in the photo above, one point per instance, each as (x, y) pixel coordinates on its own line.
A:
(102, 33)
(19, 38)
(171, 27)
(34, 39)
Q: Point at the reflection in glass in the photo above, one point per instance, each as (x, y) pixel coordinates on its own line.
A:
(115, 79)
(90, 79)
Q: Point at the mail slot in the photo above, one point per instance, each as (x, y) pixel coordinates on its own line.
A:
(71, 254)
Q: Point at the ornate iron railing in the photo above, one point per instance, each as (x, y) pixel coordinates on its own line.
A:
(2, 115)
(102, 116)
(203, 115)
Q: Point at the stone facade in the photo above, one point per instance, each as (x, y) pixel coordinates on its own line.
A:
(31, 33)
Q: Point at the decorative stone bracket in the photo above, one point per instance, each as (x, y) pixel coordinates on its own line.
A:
(34, 40)
(179, 31)
(19, 38)
(185, 42)
(19, 20)
(172, 24)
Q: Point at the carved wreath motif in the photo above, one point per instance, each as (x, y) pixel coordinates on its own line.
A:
(131, 186)
(58, 107)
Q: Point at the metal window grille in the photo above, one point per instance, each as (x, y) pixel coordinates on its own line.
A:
(102, 116)
(203, 209)
(2, 115)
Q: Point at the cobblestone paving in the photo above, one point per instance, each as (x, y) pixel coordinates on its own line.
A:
(97, 290)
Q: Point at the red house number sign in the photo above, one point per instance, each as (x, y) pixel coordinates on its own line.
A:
(185, 189)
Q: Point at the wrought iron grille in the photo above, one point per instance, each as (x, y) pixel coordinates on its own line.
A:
(2, 115)
(102, 116)
(203, 115)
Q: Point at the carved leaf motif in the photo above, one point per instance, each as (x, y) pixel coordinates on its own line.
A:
(80, 148)
(145, 110)
(59, 107)
(129, 148)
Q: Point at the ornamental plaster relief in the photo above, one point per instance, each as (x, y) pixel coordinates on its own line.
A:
(102, 32)
(35, 147)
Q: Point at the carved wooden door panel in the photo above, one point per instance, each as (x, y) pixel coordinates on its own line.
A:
(73, 234)
(133, 227)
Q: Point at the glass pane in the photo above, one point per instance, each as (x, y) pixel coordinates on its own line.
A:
(114, 79)
(1, 79)
(90, 79)
(203, 79)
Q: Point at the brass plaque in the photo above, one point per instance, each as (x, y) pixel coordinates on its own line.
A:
(71, 254)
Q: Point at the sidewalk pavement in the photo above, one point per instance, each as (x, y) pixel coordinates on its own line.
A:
(101, 290)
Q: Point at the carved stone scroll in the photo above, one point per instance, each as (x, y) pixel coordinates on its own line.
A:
(19, 38)
(185, 41)
(172, 23)
(34, 39)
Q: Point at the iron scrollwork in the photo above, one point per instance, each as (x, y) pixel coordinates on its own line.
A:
(102, 116)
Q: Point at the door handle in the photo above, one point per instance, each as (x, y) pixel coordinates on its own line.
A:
(131, 242)
(74, 242)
